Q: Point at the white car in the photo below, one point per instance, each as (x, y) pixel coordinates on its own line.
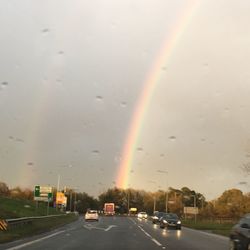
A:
(91, 215)
(142, 215)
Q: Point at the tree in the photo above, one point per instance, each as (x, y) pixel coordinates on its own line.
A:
(4, 190)
(231, 204)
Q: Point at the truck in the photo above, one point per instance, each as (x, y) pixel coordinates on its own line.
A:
(109, 208)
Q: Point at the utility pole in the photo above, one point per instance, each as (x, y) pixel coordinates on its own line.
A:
(70, 204)
(167, 201)
(195, 215)
(75, 202)
(154, 203)
(128, 202)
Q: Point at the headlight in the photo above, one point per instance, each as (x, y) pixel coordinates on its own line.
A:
(178, 222)
(164, 221)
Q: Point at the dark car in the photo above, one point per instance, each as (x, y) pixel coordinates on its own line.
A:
(240, 234)
(157, 216)
(170, 220)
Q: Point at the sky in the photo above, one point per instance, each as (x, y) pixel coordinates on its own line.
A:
(71, 77)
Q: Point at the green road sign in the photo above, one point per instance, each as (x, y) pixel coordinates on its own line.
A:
(50, 196)
(37, 191)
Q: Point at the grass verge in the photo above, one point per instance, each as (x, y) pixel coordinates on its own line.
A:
(211, 227)
(36, 227)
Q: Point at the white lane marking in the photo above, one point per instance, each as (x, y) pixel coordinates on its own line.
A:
(157, 242)
(107, 229)
(132, 221)
(90, 227)
(35, 241)
(154, 240)
(145, 232)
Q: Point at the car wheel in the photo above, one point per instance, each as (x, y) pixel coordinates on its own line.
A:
(178, 227)
(161, 225)
(232, 245)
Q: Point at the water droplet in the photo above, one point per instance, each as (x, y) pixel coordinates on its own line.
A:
(46, 30)
(164, 68)
(19, 140)
(123, 104)
(4, 84)
(11, 137)
(203, 139)
(242, 183)
(139, 149)
(248, 155)
(172, 137)
(162, 155)
(30, 164)
(132, 171)
(99, 98)
(61, 52)
(96, 152)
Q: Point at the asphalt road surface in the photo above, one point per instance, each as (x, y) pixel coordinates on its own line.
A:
(120, 233)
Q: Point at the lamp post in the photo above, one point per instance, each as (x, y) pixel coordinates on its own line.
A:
(195, 214)
(128, 202)
(75, 199)
(165, 172)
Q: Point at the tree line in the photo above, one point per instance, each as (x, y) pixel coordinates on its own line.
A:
(232, 203)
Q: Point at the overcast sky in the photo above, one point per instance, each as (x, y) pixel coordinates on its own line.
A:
(71, 73)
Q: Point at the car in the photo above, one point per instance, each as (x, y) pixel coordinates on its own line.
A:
(170, 220)
(142, 215)
(91, 215)
(157, 216)
(240, 234)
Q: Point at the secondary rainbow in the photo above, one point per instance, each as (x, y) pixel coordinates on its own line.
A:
(153, 77)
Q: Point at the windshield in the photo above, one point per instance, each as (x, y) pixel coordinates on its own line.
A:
(123, 106)
(171, 216)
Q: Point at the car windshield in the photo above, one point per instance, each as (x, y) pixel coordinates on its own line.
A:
(92, 212)
(122, 106)
(171, 216)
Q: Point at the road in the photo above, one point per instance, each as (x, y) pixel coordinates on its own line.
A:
(120, 233)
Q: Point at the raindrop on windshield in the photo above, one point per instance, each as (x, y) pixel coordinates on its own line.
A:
(61, 52)
(242, 183)
(4, 84)
(45, 31)
(140, 149)
(96, 152)
(30, 164)
(99, 98)
(123, 104)
(172, 137)
(162, 155)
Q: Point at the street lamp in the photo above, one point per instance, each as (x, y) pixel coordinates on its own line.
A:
(195, 214)
(165, 172)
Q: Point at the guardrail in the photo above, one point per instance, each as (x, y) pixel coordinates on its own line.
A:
(9, 223)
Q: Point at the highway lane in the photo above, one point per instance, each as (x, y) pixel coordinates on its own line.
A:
(186, 239)
(120, 233)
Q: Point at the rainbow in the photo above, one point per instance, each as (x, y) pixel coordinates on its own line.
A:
(153, 77)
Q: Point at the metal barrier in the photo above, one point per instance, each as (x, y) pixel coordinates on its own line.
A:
(8, 223)
(3, 225)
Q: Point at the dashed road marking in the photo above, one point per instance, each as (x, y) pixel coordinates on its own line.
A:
(148, 235)
(157, 242)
